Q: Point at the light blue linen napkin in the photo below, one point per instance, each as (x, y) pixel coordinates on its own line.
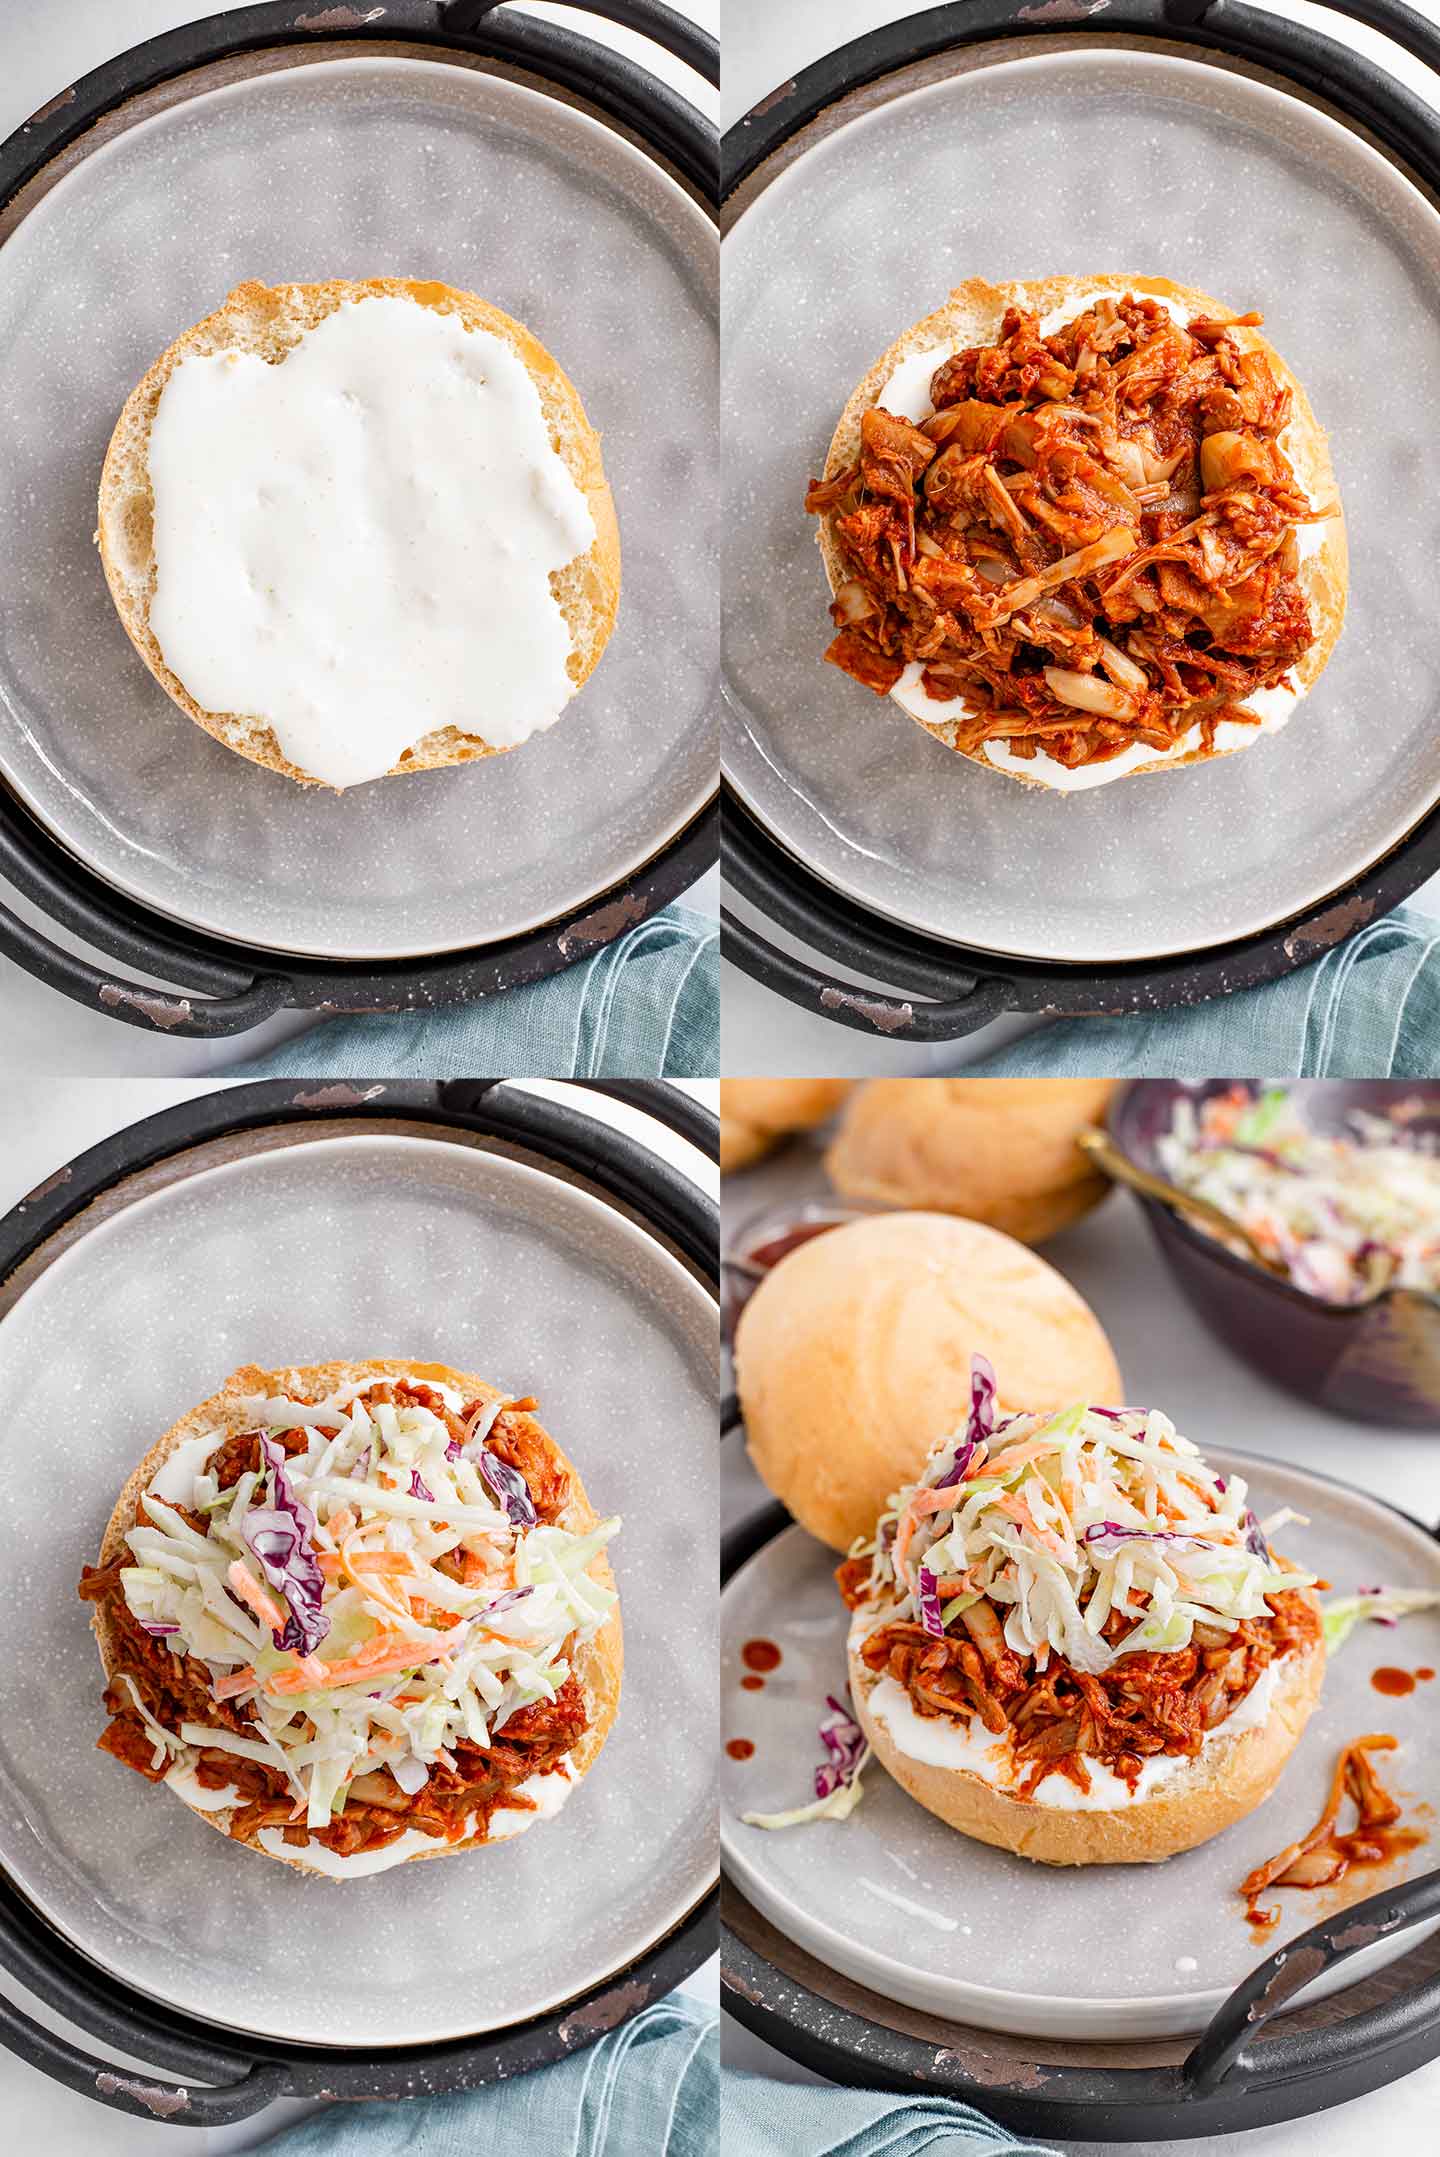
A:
(763, 2118)
(1369, 1009)
(647, 1006)
(650, 2089)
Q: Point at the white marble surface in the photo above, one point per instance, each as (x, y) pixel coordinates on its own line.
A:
(1170, 1360)
(763, 1033)
(43, 1124)
(45, 44)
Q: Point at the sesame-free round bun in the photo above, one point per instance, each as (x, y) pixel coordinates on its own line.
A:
(854, 1353)
(755, 1114)
(972, 316)
(1224, 1782)
(597, 1662)
(1000, 1151)
(269, 321)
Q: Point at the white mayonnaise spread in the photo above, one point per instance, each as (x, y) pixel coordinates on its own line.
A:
(355, 544)
(181, 1779)
(354, 1867)
(548, 1793)
(907, 394)
(943, 1742)
(174, 1480)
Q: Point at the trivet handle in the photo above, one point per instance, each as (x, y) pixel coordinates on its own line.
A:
(162, 1011)
(1404, 24)
(1224, 2049)
(664, 25)
(129, 2089)
(869, 1011)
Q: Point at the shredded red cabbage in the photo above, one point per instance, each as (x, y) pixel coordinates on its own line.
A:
(279, 1534)
(955, 1473)
(417, 1488)
(844, 1741)
(1101, 1531)
(158, 1632)
(1255, 1541)
(981, 1424)
(503, 1602)
(982, 1398)
(510, 1488)
(930, 1616)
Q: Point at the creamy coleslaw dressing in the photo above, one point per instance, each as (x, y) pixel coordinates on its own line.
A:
(355, 544)
(943, 1742)
(907, 394)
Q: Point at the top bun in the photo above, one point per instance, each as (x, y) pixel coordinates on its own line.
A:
(854, 1352)
(996, 1150)
(756, 1113)
(972, 316)
(269, 322)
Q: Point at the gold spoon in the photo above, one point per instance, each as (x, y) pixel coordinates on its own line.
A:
(1101, 1150)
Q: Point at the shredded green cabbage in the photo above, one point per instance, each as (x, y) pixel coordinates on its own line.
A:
(529, 1597)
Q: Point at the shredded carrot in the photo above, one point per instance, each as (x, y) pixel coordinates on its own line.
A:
(353, 1561)
(250, 1592)
(387, 1651)
(924, 1502)
(239, 1681)
(342, 1523)
(1012, 1503)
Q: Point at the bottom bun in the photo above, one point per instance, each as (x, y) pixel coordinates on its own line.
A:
(1202, 1797)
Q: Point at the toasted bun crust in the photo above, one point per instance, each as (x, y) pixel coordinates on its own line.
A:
(972, 316)
(597, 1664)
(1000, 1151)
(1204, 1796)
(853, 1356)
(756, 1113)
(268, 321)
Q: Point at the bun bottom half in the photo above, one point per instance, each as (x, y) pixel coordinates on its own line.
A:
(597, 1664)
(1200, 1800)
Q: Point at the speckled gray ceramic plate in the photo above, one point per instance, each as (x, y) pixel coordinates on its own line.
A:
(1130, 161)
(346, 168)
(900, 1902)
(359, 1246)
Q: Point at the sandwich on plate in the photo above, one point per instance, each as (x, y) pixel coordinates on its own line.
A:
(358, 1613)
(361, 527)
(1083, 527)
(1072, 1639)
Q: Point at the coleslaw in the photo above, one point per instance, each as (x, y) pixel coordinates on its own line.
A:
(1347, 1216)
(318, 1602)
(1064, 1520)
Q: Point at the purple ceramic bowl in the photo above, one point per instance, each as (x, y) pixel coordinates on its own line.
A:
(1377, 1362)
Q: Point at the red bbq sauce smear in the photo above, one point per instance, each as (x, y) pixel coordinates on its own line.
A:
(760, 1655)
(1324, 1855)
(740, 1748)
